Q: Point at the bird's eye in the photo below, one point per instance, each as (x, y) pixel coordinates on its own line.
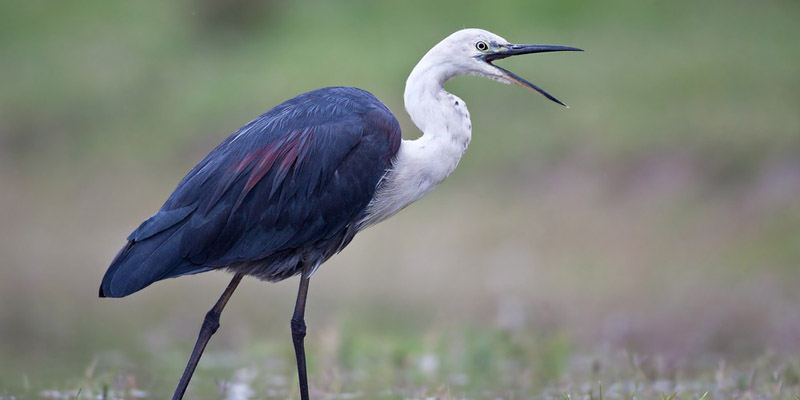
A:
(481, 46)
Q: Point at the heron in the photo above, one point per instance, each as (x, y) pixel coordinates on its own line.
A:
(291, 188)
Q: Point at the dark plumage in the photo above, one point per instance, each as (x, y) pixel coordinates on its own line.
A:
(282, 192)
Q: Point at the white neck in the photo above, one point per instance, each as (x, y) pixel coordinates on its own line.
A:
(421, 164)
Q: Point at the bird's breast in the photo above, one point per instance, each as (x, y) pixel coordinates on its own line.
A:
(421, 165)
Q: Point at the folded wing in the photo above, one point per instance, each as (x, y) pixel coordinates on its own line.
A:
(300, 174)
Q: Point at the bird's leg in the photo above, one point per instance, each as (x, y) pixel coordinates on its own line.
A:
(299, 331)
(210, 325)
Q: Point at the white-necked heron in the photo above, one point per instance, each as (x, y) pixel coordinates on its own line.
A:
(290, 189)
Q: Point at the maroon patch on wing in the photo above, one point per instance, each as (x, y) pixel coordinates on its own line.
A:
(285, 153)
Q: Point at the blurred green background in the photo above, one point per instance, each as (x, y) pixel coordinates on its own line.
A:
(648, 234)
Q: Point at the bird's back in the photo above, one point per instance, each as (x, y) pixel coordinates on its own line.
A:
(284, 190)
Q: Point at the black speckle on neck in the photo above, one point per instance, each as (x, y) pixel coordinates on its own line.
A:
(456, 102)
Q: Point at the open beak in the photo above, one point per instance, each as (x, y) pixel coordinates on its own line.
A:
(509, 50)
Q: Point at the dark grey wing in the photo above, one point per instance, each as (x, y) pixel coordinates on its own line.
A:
(297, 175)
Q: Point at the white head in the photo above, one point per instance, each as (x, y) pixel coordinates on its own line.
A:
(471, 52)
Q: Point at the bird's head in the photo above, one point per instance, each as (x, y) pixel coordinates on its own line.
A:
(473, 52)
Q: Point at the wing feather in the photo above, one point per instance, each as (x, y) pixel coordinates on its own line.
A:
(298, 175)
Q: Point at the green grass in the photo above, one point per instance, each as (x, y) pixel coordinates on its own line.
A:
(391, 370)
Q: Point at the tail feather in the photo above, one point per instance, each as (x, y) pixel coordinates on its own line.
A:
(141, 262)
(138, 265)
